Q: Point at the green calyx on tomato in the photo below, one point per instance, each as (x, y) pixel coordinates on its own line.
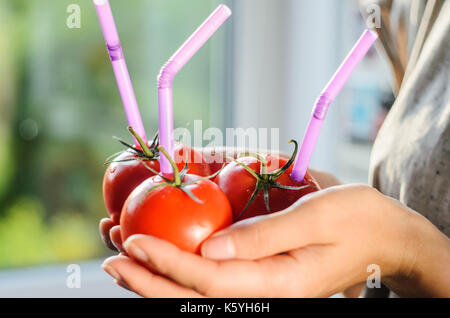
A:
(178, 177)
(266, 180)
(150, 152)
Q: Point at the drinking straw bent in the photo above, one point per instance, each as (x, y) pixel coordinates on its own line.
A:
(120, 67)
(327, 96)
(167, 75)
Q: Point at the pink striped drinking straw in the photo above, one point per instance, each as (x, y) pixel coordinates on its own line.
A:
(168, 72)
(326, 98)
(120, 67)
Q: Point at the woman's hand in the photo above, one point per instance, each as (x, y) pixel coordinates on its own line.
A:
(318, 247)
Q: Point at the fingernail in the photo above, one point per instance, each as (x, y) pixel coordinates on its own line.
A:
(111, 271)
(219, 248)
(135, 251)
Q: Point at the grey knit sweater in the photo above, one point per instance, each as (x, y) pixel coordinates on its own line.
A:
(411, 156)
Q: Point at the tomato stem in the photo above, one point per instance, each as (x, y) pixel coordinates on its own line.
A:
(263, 170)
(249, 170)
(207, 177)
(176, 173)
(266, 180)
(141, 142)
(277, 173)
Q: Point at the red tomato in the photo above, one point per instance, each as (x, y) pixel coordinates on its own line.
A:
(120, 179)
(196, 164)
(169, 213)
(129, 169)
(216, 158)
(239, 185)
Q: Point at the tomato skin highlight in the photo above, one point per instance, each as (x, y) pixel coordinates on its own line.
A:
(238, 185)
(170, 214)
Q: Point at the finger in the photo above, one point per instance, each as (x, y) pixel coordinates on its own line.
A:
(122, 284)
(301, 225)
(235, 278)
(142, 281)
(116, 238)
(354, 291)
(104, 228)
(186, 268)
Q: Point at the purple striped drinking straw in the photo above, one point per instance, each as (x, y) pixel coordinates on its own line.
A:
(327, 96)
(120, 67)
(168, 72)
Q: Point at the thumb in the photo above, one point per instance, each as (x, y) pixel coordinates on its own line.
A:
(268, 235)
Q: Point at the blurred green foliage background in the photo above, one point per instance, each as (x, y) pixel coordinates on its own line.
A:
(59, 108)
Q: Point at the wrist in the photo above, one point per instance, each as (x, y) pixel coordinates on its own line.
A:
(423, 258)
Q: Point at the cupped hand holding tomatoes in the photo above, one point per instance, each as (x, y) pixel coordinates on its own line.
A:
(184, 211)
(260, 184)
(112, 237)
